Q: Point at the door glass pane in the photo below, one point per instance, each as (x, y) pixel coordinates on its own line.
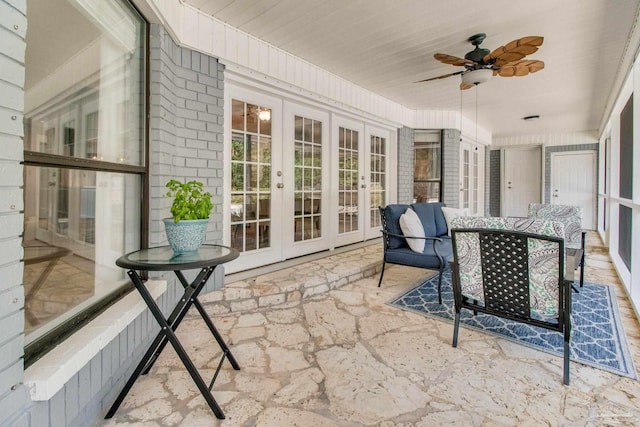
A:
(308, 178)
(250, 210)
(348, 180)
(476, 180)
(465, 178)
(377, 178)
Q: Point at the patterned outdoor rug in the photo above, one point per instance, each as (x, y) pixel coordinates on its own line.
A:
(597, 340)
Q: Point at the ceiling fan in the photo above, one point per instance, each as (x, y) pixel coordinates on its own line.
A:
(480, 64)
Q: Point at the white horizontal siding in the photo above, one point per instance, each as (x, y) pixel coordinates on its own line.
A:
(204, 33)
(566, 138)
(13, 26)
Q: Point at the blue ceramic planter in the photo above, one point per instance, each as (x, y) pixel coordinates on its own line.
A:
(185, 235)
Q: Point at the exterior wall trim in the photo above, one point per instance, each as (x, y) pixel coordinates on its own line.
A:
(48, 375)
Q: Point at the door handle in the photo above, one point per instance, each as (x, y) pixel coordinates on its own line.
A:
(279, 185)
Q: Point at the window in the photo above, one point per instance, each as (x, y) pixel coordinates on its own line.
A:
(84, 158)
(427, 183)
(625, 214)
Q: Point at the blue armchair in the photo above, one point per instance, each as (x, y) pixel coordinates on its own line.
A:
(437, 249)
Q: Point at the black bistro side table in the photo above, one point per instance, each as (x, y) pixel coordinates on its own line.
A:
(207, 258)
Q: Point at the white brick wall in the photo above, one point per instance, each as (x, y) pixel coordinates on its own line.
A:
(405, 165)
(187, 142)
(451, 167)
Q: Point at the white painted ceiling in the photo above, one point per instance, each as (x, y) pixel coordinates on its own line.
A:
(387, 45)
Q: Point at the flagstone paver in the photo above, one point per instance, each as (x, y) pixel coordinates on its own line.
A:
(322, 348)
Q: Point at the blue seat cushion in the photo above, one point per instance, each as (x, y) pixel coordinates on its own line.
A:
(432, 218)
(392, 215)
(427, 259)
(441, 222)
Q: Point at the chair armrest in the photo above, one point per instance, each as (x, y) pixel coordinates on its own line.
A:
(402, 236)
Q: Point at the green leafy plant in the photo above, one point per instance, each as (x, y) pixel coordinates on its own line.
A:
(190, 201)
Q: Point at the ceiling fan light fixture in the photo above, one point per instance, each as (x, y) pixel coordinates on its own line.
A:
(476, 77)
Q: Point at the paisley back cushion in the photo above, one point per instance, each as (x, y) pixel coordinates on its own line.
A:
(543, 258)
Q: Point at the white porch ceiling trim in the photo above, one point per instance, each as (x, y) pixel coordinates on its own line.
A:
(255, 58)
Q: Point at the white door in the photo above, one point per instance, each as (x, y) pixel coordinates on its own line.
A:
(377, 152)
(573, 177)
(255, 173)
(306, 180)
(521, 180)
(349, 181)
(471, 173)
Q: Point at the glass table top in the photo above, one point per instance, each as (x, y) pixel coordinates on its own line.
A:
(164, 259)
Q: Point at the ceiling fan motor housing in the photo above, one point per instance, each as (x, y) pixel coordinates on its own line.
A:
(477, 54)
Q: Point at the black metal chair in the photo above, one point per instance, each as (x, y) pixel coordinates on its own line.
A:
(514, 275)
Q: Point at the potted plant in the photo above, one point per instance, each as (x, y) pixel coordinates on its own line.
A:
(191, 207)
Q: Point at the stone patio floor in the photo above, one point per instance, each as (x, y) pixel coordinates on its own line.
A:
(318, 346)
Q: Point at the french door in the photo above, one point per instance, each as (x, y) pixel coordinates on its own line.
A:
(471, 173)
(361, 179)
(377, 144)
(254, 178)
(348, 181)
(306, 180)
(299, 179)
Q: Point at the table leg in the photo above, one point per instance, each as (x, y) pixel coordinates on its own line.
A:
(212, 328)
(178, 314)
(167, 333)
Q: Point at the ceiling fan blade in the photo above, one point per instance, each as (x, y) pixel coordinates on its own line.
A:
(520, 68)
(514, 51)
(444, 76)
(464, 86)
(451, 60)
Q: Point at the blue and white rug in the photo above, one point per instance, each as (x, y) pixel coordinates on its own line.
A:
(597, 340)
